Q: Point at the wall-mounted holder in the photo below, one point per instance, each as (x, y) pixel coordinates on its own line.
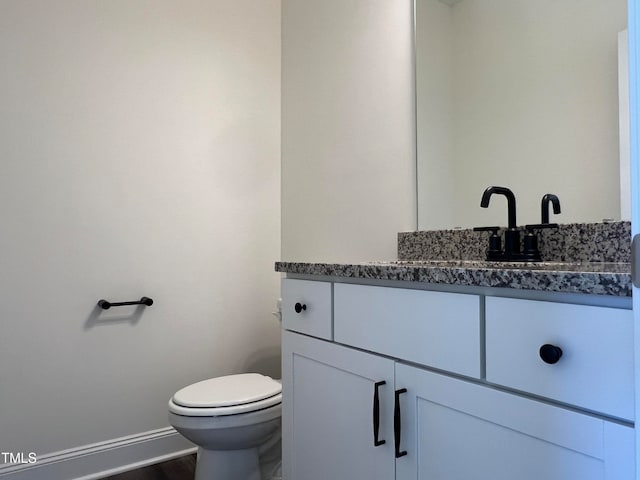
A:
(105, 305)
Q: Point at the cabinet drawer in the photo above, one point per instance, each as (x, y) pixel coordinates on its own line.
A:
(313, 314)
(441, 330)
(595, 369)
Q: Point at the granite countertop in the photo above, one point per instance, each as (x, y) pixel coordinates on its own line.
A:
(595, 278)
(588, 258)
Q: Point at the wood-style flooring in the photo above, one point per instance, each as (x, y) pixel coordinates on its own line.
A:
(182, 468)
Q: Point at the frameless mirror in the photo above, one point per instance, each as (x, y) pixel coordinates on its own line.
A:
(522, 94)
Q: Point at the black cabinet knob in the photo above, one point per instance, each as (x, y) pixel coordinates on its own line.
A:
(550, 353)
(299, 307)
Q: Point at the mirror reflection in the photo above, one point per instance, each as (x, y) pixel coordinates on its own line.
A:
(522, 94)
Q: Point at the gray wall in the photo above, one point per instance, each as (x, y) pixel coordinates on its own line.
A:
(348, 142)
(139, 144)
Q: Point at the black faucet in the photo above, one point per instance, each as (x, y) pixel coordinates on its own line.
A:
(511, 202)
(511, 252)
(544, 207)
(531, 251)
(512, 234)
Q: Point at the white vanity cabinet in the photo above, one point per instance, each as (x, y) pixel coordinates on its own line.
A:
(327, 421)
(458, 430)
(438, 329)
(595, 369)
(408, 387)
(307, 307)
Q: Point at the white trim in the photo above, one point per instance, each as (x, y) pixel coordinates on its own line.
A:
(633, 16)
(99, 460)
(623, 114)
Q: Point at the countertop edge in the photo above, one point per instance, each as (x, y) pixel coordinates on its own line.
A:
(575, 281)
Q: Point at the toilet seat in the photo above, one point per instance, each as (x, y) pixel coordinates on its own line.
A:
(228, 395)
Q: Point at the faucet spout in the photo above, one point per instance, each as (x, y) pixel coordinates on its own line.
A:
(511, 202)
(547, 199)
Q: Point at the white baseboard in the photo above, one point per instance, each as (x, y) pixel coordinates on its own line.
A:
(99, 460)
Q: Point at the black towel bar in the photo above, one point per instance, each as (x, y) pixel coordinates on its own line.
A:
(105, 305)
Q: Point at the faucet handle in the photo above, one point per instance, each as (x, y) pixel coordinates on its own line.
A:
(537, 226)
(531, 253)
(486, 229)
(495, 242)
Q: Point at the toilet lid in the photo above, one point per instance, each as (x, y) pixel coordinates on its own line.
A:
(227, 391)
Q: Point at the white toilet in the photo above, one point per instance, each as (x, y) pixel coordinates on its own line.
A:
(233, 420)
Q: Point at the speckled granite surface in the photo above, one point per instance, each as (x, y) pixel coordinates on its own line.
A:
(588, 258)
(591, 278)
(574, 242)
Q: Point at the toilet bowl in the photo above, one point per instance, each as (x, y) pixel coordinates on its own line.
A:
(232, 419)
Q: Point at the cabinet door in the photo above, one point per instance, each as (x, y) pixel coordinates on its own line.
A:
(456, 430)
(328, 412)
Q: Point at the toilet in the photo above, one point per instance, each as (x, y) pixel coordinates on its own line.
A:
(234, 420)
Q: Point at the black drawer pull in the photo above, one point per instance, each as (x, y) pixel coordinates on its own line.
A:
(299, 307)
(550, 353)
(376, 414)
(397, 423)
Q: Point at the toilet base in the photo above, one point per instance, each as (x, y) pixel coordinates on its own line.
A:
(232, 447)
(228, 464)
